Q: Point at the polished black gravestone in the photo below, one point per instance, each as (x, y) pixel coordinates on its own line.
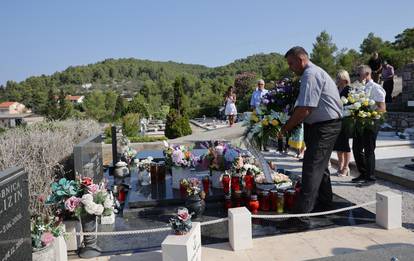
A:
(160, 193)
(88, 158)
(156, 217)
(155, 213)
(15, 240)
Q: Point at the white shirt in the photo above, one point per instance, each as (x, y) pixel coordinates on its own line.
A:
(375, 91)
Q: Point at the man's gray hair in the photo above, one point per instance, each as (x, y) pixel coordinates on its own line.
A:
(296, 51)
(364, 69)
(260, 81)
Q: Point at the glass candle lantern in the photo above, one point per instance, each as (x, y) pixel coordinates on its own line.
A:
(254, 204)
(235, 183)
(280, 202)
(226, 183)
(265, 201)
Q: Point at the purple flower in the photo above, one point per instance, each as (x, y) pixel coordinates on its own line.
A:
(265, 101)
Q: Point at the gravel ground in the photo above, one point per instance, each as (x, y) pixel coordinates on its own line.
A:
(344, 188)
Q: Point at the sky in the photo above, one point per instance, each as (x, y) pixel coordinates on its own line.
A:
(42, 37)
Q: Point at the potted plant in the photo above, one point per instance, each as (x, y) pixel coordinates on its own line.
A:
(195, 197)
(44, 231)
(181, 222)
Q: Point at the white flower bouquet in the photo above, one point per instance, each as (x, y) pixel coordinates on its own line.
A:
(360, 111)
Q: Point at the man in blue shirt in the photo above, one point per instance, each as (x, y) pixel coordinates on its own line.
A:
(255, 103)
(319, 107)
(258, 94)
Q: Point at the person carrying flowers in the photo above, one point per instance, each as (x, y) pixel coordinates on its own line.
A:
(364, 142)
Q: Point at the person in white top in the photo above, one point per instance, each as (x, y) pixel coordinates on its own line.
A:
(364, 143)
(230, 108)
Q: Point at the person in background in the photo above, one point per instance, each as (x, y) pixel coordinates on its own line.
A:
(388, 79)
(258, 94)
(296, 141)
(364, 142)
(375, 63)
(320, 108)
(342, 147)
(283, 142)
(230, 108)
(255, 103)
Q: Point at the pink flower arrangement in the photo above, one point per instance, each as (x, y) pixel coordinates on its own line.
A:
(72, 203)
(183, 214)
(93, 188)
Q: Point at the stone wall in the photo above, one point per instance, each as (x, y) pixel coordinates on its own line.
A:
(408, 84)
(400, 120)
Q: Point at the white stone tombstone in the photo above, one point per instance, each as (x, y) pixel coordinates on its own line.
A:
(240, 228)
(183, 247)
(388, 210)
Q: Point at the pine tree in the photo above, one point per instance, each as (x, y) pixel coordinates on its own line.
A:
(323, 53)
(51, 106)
(65, 107)
(119, 107)
(177, 124)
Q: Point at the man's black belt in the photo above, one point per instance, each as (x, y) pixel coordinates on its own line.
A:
(324, 122)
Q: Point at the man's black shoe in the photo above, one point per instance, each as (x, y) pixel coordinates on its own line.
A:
(358, 180)
(369, 181)
(366, 183)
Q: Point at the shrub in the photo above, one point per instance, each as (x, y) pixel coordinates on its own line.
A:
(130, 124)
(177, 125)
(42, 149)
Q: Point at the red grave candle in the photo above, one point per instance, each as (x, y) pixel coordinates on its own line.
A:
(249, 181)
(226, 183)
(235, 183)
(254, 204)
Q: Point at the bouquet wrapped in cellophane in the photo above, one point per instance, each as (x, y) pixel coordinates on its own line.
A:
(360, 112)
(267, 120)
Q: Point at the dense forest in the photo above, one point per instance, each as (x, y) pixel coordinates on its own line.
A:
(149, 84)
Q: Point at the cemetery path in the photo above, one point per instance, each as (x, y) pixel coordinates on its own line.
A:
(227, 133)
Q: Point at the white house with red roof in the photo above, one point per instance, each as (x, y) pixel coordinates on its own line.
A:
(13, 114)
(75, 99)
(11, 107)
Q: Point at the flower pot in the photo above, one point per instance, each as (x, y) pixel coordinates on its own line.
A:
(90, 248)
(177, 174)
(195, 205)
(44, 254)
(72, 226)
(108, 220)
(216, 179)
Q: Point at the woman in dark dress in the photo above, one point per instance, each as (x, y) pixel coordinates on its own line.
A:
(342, 143)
